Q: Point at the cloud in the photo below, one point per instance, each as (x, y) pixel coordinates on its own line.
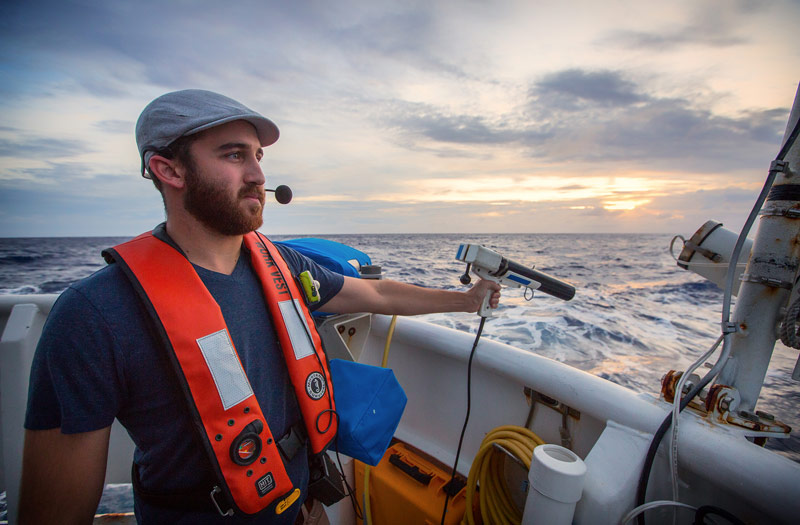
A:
(714, 24)
(678, 135)
(685, 211)
(607, 116)
(594, 116)
(34, 213)
(108, 49)
(48, 178)
(572, 87)
(41, 148)
(671, 39)
(112, 49)
(385, 35)
(116, 126)
(435, 124)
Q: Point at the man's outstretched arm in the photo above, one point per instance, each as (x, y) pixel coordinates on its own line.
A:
(62, 476)
(393, 297)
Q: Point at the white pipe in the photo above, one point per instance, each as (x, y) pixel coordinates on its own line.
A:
(555, 485)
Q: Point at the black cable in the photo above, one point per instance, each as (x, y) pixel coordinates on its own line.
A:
(789, 141)
(466, 418)
(699, 516)
(644, 477)
(641, 489)
(351, 493)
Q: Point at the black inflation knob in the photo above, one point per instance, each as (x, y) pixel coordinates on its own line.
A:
(466, 279)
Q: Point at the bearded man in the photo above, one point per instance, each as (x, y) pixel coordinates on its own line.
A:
(190, 339)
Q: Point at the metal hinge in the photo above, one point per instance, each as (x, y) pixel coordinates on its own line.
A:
(766, 281)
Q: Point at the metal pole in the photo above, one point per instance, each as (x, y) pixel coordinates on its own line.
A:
(768, 279)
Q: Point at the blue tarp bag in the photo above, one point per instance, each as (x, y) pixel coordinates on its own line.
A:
(370, 403)
(334, 256)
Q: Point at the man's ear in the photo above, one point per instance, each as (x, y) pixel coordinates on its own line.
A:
(168, 171)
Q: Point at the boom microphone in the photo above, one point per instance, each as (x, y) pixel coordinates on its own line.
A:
(283, 194)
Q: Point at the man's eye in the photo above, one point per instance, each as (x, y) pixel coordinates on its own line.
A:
(235, 155)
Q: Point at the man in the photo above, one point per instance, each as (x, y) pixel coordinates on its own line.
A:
(115, 344)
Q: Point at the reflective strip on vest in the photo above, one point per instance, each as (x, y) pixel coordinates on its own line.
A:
(225, 368)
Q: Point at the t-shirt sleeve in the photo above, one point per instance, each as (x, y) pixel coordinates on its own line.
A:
(74, 381)
(329, 282)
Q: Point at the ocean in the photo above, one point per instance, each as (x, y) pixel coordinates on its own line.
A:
(634, 317)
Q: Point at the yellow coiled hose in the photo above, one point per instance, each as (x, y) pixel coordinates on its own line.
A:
(495, 501)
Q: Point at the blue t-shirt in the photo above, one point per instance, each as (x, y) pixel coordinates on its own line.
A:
(98, 359)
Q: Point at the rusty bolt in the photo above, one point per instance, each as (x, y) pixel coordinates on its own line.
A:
(725, 403)
(744, 414)
(690, 383)
(765, 415)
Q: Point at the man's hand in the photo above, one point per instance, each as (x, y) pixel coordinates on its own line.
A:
(479, 291)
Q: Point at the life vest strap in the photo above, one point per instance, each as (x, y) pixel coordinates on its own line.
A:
(292, 442)
(198, 499)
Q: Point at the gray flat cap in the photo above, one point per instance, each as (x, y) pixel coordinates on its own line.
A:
(181, 113)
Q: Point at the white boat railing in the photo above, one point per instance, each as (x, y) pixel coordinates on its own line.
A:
(718, 464)
(611, 435)
(22, 318)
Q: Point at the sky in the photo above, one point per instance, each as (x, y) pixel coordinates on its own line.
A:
(408, 117)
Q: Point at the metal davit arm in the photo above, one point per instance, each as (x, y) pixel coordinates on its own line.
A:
(768, 279)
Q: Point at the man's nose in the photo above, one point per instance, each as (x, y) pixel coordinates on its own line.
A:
(254, 174)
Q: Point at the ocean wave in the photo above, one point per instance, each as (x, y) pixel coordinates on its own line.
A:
(13, 260)
(57, 286)
(692, 289)
(26, 289)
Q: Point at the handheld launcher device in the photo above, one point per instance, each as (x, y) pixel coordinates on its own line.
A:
(492, 266)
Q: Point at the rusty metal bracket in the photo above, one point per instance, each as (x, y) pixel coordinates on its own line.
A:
(533, 397)
(721, 402)
(708, 254)
(670, 382)
(720, 405)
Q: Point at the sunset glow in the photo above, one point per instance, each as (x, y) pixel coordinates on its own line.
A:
(407, 117)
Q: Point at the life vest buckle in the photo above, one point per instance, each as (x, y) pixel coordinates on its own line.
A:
(292, 442)
(214, 491)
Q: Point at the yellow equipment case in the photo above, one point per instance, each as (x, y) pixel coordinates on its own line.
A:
(407, 487)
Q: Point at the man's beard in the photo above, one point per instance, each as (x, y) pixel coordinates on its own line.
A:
(210, 204)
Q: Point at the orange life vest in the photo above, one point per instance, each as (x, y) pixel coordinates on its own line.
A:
(235, 433)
